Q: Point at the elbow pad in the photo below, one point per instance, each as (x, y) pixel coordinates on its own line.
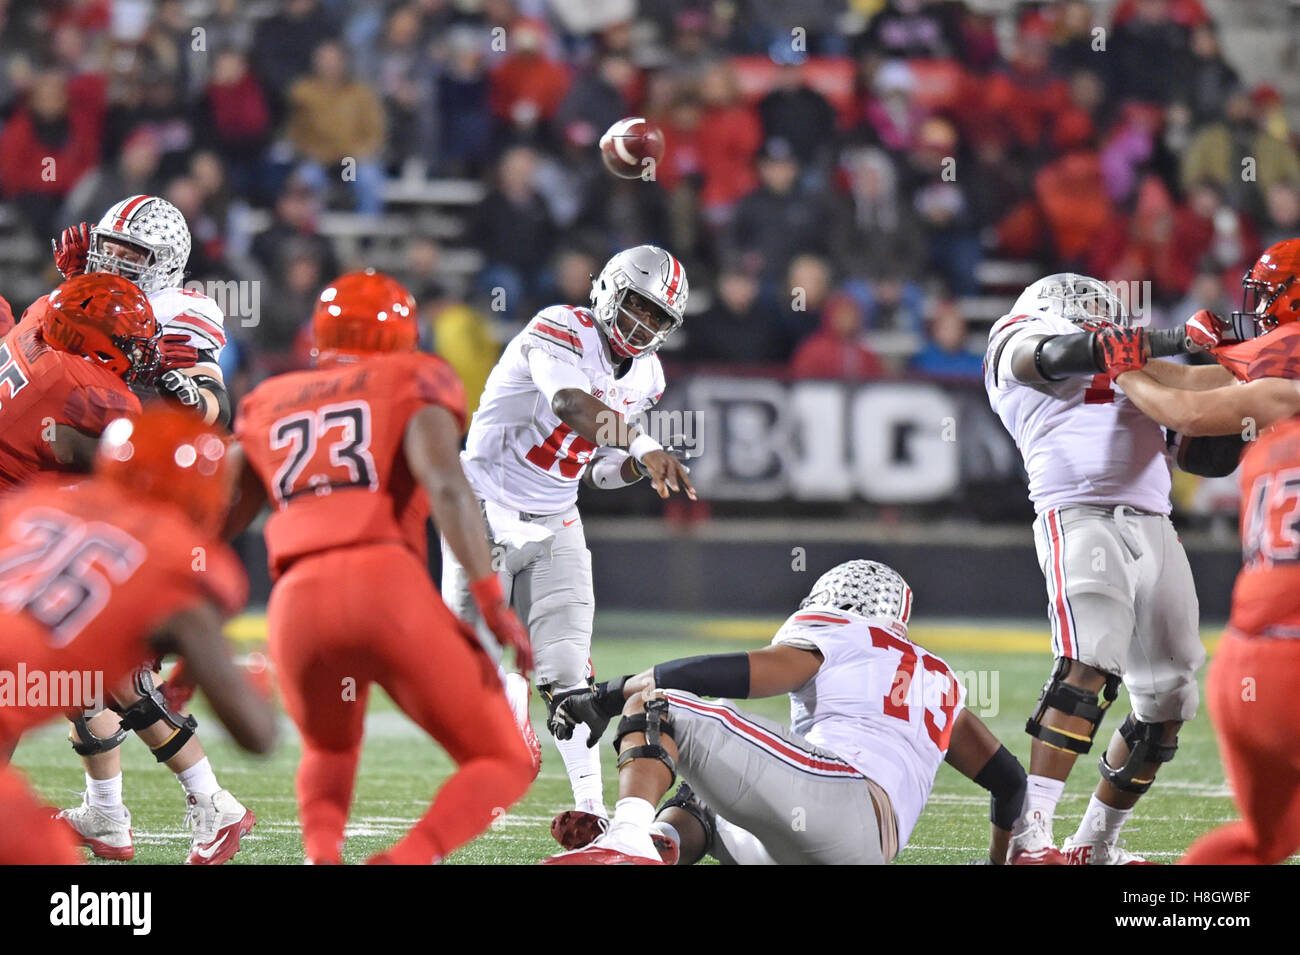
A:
(715, 674)
(606, 472)
(1005, 779)
(1060, 356)
(1208, 456)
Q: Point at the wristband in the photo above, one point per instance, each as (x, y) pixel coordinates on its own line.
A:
(642, 445)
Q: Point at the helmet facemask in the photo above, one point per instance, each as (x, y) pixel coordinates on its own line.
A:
(149, 273)
(640, 325)
(1257, 299)
(1083, 300)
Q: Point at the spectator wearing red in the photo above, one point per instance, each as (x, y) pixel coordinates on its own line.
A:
(50, 142)
(1027, 95)
(528, 87)
(239, 118)
(1071, 195)
(835, 351)
(728, 137)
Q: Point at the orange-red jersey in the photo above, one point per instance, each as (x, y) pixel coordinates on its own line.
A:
(40, 387)
(1266, 598)
(1275, 354)
(7, 321)
(88, 572)
(327, 446)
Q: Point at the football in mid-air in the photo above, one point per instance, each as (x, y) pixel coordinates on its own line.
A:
(631, 148)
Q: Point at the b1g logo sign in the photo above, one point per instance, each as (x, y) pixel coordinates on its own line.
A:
(890, 443)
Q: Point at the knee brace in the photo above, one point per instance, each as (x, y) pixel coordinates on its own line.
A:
(86, 743)
(686, 799)
(1145, 745)
(654, 722)
(152, 707)
(1073, 701)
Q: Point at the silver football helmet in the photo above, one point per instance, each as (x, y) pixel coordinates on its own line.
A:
(864, 587)
(156, 229)
(1080, 299)
(646, 280)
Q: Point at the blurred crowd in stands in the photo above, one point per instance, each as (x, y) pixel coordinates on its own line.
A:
(839, 173)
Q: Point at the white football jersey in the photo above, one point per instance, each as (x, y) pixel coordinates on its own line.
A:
(1083, 441)
(191, 313)
(518, 453)
(878, 701)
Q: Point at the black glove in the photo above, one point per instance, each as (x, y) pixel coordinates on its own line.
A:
(595, 707)
(179, 387)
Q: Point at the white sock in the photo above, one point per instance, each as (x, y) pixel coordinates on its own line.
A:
(1041, 796)
(1101, 822)
(583, 766)
(106, 795)
(634, 811)
(199, 779)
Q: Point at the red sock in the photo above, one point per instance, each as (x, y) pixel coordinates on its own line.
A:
(467, 803)
(325, 781)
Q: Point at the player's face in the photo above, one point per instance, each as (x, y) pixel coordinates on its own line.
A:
(125, 251)
(640, 320)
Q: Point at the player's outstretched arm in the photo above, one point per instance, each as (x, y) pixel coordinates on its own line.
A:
(250, 496)
(601, 424)
(1188, 377)
(432, 447)
(73, 448)
(770, 671)
(195, 634)
(977, 754)
(1233, 409)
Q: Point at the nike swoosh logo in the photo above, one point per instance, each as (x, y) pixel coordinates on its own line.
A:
(207, 852)
(629, 402)
(574, 521)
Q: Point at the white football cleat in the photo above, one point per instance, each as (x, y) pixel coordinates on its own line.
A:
(218, 822)
(623, 844)
(1032, 844)
(518, 692)
(1078, 852)
(108, 837)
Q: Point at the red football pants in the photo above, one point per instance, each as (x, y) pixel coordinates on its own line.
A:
(1251, 688)
(30, 835)
(347, 618)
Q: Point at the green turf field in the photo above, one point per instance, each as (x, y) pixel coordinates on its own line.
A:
(401, 767)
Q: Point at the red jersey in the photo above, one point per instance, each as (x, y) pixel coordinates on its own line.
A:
(40, 387)
(87, 575)
(1275, 354)
(327, 446)
(1266, 598)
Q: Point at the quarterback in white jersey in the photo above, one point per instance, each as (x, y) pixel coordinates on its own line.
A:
(872, 715)
(559, 407)
(145, 239)
(1121, 601)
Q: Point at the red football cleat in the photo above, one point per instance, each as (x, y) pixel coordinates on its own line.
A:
(574, 828)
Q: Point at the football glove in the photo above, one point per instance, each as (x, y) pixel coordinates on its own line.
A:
(595, 707)
(1204, 331)
(179, 387)
(175, 351)
(71, 249)
(1121, 349)
(501, 620)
